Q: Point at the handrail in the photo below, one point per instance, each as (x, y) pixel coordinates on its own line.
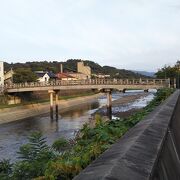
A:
(90, 82)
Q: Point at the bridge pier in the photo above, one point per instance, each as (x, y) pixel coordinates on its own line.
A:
(51, 93)
(124, 91)
(56, 103)
(109, 103)
(175, 83)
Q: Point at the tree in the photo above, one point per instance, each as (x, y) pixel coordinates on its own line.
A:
(34, 158)
(170, 72)
(24, 75)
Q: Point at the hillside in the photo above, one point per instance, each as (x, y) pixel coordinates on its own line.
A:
(146, 73)
(71, 65)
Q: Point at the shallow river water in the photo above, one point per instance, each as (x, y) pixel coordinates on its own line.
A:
(14, 134)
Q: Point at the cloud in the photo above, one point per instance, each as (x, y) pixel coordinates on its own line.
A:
(127, 34)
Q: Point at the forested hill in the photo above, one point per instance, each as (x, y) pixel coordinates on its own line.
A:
(71, 65)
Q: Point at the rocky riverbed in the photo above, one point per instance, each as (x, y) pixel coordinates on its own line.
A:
(127, 105)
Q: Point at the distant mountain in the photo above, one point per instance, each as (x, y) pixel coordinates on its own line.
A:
(71, 65)
(145, 73)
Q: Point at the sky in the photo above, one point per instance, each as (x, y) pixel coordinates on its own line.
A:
(129, 34)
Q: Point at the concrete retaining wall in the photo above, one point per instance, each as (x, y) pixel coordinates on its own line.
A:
(150, 150)
(167, 166)
(21, 112)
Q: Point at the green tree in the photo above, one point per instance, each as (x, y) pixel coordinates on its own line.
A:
(169, 71)
(34, 158)
(24, 75)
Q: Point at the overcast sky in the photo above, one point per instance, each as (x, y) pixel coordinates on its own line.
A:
(130, 34)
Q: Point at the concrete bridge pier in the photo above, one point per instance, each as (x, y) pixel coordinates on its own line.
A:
(56, 103)
(175, 83)
(124, 90)
(51, 94)
(109, 103)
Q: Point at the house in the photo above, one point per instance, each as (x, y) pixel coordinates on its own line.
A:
(1, 73)
(65, 76)
(45, 76)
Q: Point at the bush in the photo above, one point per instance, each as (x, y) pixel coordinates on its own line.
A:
(60, 145)
(5, 169)
(35, 155)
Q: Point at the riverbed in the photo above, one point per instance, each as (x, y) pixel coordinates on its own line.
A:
(14, 134)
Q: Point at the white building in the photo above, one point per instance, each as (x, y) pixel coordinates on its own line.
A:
(45, 76)
(1, 73)
(42, 76)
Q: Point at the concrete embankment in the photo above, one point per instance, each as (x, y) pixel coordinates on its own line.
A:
(26, 111)
(148, 151)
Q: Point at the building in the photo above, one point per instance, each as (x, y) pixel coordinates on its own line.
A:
(83, 72)
(78, 75)
(1, 73)
(8, 77)
(81, 68)
(65, 76)
(101, 76)
(45, 76)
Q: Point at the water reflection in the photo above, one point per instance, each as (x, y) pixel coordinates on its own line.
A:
(14, 134)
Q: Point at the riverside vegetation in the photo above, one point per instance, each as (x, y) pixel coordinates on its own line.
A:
(65, 159)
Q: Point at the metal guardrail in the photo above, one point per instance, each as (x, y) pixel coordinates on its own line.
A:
(164, 82)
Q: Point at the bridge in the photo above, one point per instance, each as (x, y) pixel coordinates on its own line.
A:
(94, 84)
(118, 84)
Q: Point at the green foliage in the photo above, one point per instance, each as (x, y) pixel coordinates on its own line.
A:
(169, 71)
(98, 119)
(24, 75)
(35, 156)
(5, 169)
(60, 144)
(71, 65)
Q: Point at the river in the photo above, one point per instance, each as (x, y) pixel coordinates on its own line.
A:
(14, 134)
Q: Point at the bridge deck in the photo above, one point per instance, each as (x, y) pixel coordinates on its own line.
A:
(118, 84)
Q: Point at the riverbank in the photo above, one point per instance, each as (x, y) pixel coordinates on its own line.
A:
(31, 110)
(37, 100)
